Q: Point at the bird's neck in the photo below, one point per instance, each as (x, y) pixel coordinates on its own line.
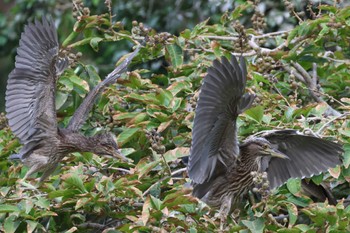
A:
(76, 142)
(248, 160)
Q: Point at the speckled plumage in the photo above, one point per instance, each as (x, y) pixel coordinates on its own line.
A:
(220, 167)
(30, 103)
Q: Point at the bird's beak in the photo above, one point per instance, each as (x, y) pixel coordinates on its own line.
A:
(119, 155)
(276, 154)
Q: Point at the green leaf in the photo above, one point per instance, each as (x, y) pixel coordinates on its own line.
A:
(66, 193)
(10, 225)
(255, 226)
(144, 166)
(75, 181)
(237, 12)
(172, 155)
(61, 98)
(186, 34)
(260, 78)
(346, 155)
(5, 208)
(125, 115)
(174, 55)
(43, 202)
(94, 43)
(317, 179)
(80, 42)
(177, 87)
(345, 132)
(294, 185)
(303, 227)
(81, 84)
(31, 226)
(292, 35)
(81, 202)
(70, 38)
(292, 213)
(145, 210)
(255, 113)
(127, 135)
(164, 97)
(156, 203)
(94, 78)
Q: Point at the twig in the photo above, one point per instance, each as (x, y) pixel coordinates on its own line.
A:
(119, 169)
(330, 121)
(152, 186)
(166, 164)
(278, 91)
(179, 171)
(265, 51)
(233, 38)
(164, 178)
(230, 38)
(311, 84)
(327, 56)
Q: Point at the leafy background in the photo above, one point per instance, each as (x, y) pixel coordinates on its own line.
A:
(298, 62)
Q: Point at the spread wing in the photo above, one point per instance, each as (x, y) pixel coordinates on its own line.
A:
(82, 112)
(30, 94)
(214, 134)
(308, 156)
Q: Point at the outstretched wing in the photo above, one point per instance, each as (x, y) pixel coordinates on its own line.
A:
(30, 94)
(82, 112)
(214, 134)
(308, 156)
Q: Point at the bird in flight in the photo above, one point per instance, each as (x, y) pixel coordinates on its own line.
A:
(221, 168)
(30, 104)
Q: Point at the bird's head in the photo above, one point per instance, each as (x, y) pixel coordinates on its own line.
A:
(260, 147)
(106, 144)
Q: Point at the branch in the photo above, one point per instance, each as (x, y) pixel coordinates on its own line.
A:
(233, 38)
(311, 84)
(164, 178)
(332, 120)
(327, 56)
(230, 38)
(265, 51)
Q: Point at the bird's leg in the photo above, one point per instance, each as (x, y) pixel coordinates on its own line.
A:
(47, 172)
(31, 171)
(224, 211)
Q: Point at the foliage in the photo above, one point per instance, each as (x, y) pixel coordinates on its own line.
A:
(152, 113)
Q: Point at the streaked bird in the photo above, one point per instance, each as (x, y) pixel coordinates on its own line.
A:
(30, 104)
(220, 167)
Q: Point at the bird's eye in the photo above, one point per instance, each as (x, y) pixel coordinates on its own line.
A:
(265, 146)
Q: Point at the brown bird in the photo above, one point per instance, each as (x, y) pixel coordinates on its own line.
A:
(30, 104)
(220, 167)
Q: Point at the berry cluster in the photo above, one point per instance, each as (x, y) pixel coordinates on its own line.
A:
(151, 37)
(261, 183)
(3, 121)
(242, 43)
(79, 9)
(156, 141)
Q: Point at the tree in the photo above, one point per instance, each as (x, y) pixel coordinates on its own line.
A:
(299, 75)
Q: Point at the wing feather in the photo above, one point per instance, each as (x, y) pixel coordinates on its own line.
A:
(30, 94)
(308, 156)
(214, 134)
(82, 112)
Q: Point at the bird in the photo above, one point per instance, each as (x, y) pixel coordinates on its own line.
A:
(30, 104)
(221, 168)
